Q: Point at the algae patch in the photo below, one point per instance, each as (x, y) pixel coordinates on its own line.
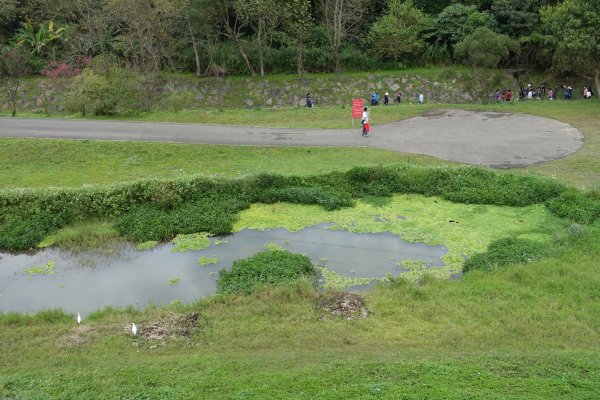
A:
(48, 269)
(149, 245)
(194, 241)
(204, 261)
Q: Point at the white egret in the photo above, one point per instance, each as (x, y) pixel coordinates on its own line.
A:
(78, 319)
(133, 329)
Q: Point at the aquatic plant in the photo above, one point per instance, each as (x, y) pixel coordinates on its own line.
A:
(149, 245)
(204, 261)
(174, 281)
(47, 269)
(194, 241)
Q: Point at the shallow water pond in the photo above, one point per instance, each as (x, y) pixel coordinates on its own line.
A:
(86, 282)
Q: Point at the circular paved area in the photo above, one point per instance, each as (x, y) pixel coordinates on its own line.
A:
(472, 137)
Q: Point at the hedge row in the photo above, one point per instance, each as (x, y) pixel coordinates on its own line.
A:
(157, 210)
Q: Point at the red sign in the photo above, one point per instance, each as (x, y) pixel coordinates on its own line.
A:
(357, 108)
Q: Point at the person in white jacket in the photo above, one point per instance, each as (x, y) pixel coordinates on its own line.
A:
(365, 122)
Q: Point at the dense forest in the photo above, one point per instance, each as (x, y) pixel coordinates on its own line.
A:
(237, 37)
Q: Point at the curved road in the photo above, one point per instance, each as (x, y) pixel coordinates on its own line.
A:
(472, 137)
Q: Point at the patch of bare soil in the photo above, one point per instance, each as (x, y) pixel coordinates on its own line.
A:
(79, 335)
(342, 304)
(170, 326)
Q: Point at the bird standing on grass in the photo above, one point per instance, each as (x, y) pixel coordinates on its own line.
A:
(78, 319)
(133, 329)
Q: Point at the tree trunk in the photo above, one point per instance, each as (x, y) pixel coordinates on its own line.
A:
(195, 46)
(299, 60)
(233, 35)
(336, 56)
(261, 57)
(597, 81)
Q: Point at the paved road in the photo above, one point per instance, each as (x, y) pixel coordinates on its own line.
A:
(472, 137)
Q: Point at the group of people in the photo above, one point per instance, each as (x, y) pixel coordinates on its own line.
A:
(530, 92)
(397, 98)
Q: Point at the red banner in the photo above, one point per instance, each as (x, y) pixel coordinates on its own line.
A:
(357, 108)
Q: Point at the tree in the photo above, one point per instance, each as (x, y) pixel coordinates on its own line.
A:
(571, 30)
(397, 34)
(14, 66)
(298, 27)
(340, 17)
(485, 48)
(456, 21)
(515, 18)
(263, 16)
(233, 27)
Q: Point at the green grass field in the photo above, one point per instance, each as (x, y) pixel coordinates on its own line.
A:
(519, 332)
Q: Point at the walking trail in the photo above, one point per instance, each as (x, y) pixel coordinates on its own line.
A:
(472, 137)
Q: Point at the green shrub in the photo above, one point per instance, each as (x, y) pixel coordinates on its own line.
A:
(26, 232)
(149, 222)
(111, 91)
(485, 186)
(307, 195)
(507, 251)
(267, 268)
(577, 206)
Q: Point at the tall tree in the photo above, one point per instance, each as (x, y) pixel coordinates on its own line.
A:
(341, 17)
(263, 16)
(298, 27)
(14, 66)
(233, 27)
(571, 29)
(457, 21)
(397, 34)
(514, 17)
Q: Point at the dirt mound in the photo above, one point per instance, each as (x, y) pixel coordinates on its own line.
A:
(170, 326)
(342, 304)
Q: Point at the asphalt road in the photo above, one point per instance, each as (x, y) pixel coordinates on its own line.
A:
(472, 137)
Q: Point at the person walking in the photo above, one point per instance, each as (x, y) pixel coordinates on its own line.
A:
(421, 98)
(365, 122)
(386, 99)
(308, 100)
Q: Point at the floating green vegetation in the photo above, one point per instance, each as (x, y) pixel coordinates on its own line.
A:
(463, 229)
(174, 281)
(149, 245)
(273, 247)
(194, 241)
(333, 280)
(47, 269)
(219, 242)
(204, 261)
(412, 265)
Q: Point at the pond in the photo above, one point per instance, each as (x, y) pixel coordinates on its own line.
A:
(88, 281)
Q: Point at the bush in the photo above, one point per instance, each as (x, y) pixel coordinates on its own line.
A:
(507, 251)
(583, 208)
(307, 195)
(267, 268)
(148, 222)
(26, 233)
(112, 91)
